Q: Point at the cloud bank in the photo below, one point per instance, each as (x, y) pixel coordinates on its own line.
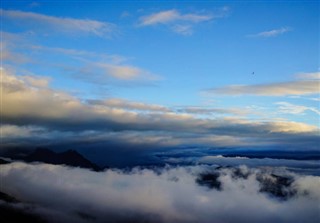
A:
(34, 111)
(181, 194)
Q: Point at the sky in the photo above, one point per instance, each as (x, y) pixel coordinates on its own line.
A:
(196, 111)
(131, 76)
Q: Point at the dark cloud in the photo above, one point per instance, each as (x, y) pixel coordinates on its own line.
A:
(163, 195)
(35, 113)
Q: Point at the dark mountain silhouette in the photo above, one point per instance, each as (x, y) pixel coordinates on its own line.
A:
(272, 184)
(69, 157)
(277, 186)
(2, 161)
(7, 198)
(209, 180)
(9, 212)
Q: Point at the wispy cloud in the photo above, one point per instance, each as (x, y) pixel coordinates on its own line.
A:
(296, 87)
(100, 66)
(210, 111)
(170, 16)
(91, 66)
(314, 75)
(63, 24)
(183, 29)
(102, 73)
(8, 46)
(271, 33)
(126, 73)
(130, 105)
(288, 108)
(178, 22)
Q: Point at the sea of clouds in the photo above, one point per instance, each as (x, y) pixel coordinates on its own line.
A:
(59, 193)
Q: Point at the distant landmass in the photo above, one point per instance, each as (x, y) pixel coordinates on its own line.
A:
(69, 157)
(294, 155)
(259, 154)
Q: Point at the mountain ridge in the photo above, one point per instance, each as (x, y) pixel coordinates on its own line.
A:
(68, 157)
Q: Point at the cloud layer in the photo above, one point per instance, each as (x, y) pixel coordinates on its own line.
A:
(161, 195)
(31, 108)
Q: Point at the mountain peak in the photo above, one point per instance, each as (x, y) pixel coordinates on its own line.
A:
(69, 157)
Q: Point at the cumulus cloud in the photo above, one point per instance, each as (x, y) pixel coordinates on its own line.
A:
(65, 25)
(272, 33)
(178, 22)
(178, 194)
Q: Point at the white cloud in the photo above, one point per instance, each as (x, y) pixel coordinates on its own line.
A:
(164, 195)
(272, 33)
(8, 43)
(37, 81)
(98, 68)
(130, 105)
(160, 17)
(114, 73)
(314, 75)
(9, 55)
(210, 111)
(178, 22)
(67, 25)
(288, 108)
(12, 131)
(183, 29)
(170, 16)
(125, 72)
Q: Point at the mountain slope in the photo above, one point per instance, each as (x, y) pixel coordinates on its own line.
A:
(69, 157)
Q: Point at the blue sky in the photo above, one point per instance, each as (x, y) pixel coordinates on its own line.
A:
(154, 69)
